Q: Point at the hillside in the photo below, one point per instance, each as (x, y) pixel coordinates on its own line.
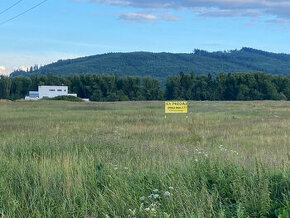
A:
(160, 65)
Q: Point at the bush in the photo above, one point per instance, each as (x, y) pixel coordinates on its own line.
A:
(66, 98)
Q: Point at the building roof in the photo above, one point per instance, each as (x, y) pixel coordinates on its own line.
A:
(54, 86)
(33, 92)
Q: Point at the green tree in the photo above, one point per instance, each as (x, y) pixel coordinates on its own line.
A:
(5, 86)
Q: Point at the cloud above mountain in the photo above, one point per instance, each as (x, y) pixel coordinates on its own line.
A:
(212, 8)
(3, 70)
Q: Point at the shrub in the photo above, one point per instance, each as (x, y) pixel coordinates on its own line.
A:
(66, 98)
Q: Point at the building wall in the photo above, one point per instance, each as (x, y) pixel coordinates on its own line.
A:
(52, 91)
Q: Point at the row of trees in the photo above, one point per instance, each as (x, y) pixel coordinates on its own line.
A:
(237, 86)
(95, 87)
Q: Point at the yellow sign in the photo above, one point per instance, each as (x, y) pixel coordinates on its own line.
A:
(176, 107)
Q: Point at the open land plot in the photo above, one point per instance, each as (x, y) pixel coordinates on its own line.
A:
(124, 159)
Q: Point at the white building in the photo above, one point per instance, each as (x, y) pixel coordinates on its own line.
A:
(52, 91)
(48, 92)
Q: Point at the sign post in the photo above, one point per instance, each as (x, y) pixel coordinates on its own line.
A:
(175, 107)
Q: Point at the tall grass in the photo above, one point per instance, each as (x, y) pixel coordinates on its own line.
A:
(66, 159)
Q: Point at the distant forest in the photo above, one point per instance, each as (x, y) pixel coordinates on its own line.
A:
(162, 65)
(101, 87)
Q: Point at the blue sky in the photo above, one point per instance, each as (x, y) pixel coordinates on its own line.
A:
(61, 29)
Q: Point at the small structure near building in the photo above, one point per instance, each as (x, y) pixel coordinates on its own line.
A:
(48, 92)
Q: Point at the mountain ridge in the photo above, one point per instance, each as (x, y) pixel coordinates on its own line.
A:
(162, 64)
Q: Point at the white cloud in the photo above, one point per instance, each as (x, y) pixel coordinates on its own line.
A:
(170, 17)
(279, 21)
(226, 8)
(137, 17)
(148, 16)
(214, 12)
(3, 70)
(24, 68)
(11, 61)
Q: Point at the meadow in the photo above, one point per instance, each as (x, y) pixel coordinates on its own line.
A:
(124, 159)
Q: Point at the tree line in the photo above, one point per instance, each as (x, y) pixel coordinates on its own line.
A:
(100, 87)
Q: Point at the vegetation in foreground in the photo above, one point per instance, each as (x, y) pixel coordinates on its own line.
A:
(69, 159)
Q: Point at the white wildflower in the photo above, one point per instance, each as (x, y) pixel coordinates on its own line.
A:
(142, 198)
(167, 193)
(141, 207)
(171, 188)
(147, 209)
(155, 196)
(166, 215)
(235, 152)
(132, 212)
(155, 190)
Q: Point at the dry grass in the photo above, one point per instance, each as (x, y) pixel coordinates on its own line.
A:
(60, 159)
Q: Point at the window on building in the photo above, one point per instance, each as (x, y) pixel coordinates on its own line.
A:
(59, 90)
(52, 90)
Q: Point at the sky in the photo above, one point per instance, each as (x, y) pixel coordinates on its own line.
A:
(62, 29)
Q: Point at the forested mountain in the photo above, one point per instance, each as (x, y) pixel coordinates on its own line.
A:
(161, 65)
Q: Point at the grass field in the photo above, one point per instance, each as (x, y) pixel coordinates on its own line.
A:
(124, 159)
